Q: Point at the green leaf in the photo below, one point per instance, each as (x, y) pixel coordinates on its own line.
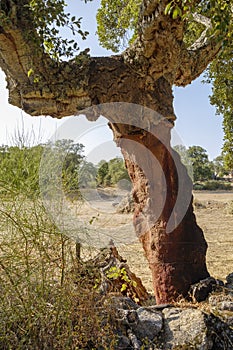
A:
(167, 8)
(123, 287)
(30, 72)
(177, 12)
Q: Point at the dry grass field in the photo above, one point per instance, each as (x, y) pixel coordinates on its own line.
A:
(46, 301)
(212, 215)
(217, 224)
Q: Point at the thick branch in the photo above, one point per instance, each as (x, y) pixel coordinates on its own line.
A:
(55, 89)
(70, 87)
(49, 89)
(195, 61)
(196, 58)
(157, 60)
(63, 89)
(160, 49)
(156, 51)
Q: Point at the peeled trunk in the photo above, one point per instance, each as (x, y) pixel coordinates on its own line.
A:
(164, 220)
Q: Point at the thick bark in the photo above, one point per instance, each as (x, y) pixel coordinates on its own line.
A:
(160, 49)
(165, 223)
(62, 89)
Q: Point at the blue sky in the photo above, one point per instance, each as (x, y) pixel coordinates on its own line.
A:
(196, 123)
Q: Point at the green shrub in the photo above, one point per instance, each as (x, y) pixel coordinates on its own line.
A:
(212, 186)
(198, 186)
(44, 302)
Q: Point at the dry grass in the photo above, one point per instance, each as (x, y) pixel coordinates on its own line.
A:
(45, 301)
(218, 230)
(212, 216)
(217, 225)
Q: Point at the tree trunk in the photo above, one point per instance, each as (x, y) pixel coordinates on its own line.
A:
(164, 220)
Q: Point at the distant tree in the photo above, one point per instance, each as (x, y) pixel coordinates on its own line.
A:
(20, 166)
(72, 157)
(200, 162)
(110, 173)
(117, 170)
(87, 175)
(219, 166)
(220, 74)
(185, 159)
(102, 171)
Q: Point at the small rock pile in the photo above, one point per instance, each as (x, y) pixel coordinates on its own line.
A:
(168, 327)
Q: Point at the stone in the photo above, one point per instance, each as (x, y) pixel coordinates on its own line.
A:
(222, 306)
(220, 331)
(143, 322)
(216, 300)
(123, 343)
(201, 290)
(120, 302)
(134, 340)
(126, 317)
(229, 278)
(166, 327)
(150, 323)
(226, 305)
(229, 284)
(185, 329)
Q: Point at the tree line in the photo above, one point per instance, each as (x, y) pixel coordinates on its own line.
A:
(200, 168)
(20, 167)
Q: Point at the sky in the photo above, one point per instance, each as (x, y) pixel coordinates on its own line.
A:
(196, 122)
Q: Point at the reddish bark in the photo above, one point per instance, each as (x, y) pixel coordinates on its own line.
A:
(176, 258)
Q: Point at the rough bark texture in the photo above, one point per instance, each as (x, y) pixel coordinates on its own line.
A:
(143, 74)
(110, 258)
(61, 90)
(177, 257)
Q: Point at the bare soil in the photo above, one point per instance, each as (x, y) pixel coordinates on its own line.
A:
(212, 217)
(217, 225)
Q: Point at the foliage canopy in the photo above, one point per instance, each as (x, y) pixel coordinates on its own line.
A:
(117, 26)
(200, 162)
(116, 19)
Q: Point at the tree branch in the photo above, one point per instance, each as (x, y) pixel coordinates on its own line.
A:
(41, 86)
(156, 51)
(30, 72)
(160, 49)
(203, 37)
(39, 93)
(195, 59)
